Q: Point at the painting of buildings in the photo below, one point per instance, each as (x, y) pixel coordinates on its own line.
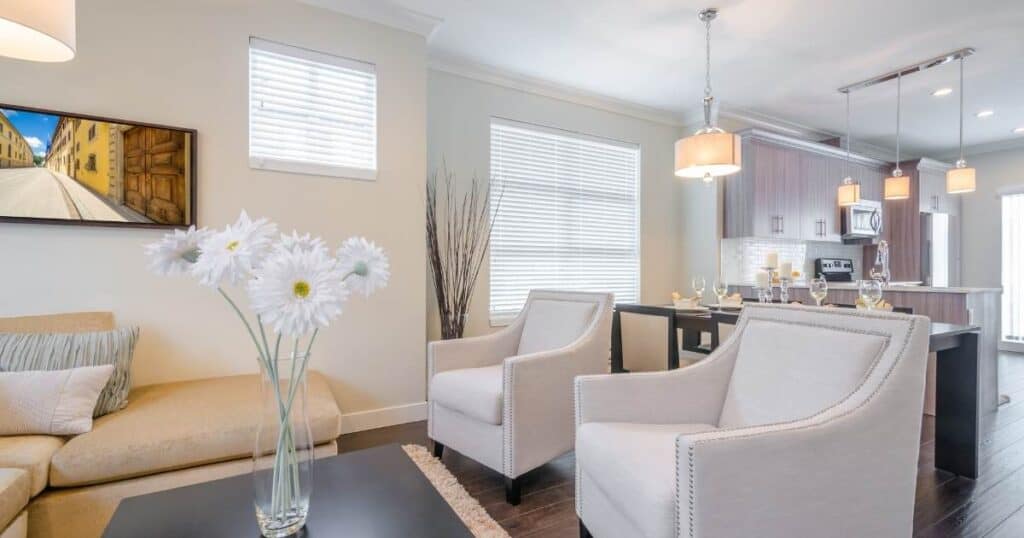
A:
(94, 170)
(15, 151)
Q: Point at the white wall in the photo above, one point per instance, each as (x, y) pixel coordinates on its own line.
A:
(458, 130)
(981, 221)
(184, 63)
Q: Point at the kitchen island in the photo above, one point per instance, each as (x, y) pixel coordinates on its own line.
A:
(957, 305)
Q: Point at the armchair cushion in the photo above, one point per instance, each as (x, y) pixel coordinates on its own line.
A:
(475, 392)
(790, 371)
(633, 464)
(551, 324)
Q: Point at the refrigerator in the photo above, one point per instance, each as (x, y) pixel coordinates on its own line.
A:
(940, 250)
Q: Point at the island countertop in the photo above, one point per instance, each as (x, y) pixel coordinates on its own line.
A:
(892, 288)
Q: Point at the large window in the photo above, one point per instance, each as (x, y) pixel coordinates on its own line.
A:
(311, 112)
(1013, 269)
(568, 215)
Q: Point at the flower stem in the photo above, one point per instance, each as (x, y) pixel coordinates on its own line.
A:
(264, 353)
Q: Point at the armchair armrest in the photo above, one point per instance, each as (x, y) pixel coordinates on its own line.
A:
(538, 405)
(687, 395)
(475, 352)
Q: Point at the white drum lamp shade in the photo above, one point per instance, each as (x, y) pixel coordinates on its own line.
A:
(708, 154)
(849, 193)
(37, 30)
(960, 180)
(897, 187)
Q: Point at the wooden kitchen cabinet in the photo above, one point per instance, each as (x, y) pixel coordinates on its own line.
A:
(820, 178)
(787, 188)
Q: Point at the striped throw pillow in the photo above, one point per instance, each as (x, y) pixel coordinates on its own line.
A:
(62, 351)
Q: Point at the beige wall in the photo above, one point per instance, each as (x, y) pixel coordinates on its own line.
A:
(459, 112)
(185, 63)
(981, 220)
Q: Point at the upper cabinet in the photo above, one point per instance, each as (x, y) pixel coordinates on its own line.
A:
(787, 188)
(933, 197)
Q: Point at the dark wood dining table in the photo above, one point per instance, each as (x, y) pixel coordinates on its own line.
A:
(957, 406)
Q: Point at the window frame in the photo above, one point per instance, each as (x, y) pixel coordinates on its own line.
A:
(308, 168)
(506, 320)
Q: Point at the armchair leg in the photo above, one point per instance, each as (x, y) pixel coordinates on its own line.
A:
(438, 449)
(584, 533)
(512, 491)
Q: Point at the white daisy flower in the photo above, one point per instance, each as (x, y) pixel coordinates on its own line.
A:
(176, 252)
(232, 255)
(364, 265)
(298, 291)
(301, 243)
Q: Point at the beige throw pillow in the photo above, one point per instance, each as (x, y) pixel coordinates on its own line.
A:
(51, 402)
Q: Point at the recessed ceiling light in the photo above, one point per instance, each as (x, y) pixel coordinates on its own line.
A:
(942, 92)
(1019, 130)
(985, 113)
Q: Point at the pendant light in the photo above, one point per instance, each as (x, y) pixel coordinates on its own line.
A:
(38, 30)
(709, 152)
(960, 179)
(897, 186)
(849, 190)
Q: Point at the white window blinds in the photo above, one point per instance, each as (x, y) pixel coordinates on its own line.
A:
(568, 215)
(1013, 268)
(310, 112)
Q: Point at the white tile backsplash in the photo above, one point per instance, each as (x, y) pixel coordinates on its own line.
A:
(743, 257)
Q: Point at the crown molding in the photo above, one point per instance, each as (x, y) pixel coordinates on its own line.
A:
(758, 120)
(536, 86)
(385, 12)
(805, 144)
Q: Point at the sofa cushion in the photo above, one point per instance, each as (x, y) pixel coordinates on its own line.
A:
(475, 392)
(31, 453)
(15, 486)
(786, 371)
(552, 324)
(177, 425)
(634, 466)
(62, 351)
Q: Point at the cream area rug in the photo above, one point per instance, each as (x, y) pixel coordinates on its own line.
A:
(479, 522)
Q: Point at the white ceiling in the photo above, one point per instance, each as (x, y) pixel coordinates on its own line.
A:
(775, 58)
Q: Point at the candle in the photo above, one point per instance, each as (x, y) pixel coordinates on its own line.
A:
(786, 270)
(773, 260)
(762, 279)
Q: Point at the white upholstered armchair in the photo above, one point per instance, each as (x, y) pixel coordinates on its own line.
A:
(805, 422)
(506, 399)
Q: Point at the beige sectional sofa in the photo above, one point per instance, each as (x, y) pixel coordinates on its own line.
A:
(169, 435)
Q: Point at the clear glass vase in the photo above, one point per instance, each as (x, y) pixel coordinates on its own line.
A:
(283, 453)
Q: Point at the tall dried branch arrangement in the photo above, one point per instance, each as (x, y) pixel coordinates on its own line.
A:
(458, 234)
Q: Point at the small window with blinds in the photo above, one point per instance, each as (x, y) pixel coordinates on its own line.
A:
(310, 112)
(567, 217)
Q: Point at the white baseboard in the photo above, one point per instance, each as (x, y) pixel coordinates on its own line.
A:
(386, 416)
(1016, 347)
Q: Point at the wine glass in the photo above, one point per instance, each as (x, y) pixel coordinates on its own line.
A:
(721, 289)
(819, 289)
(870, 292)
(698, 284)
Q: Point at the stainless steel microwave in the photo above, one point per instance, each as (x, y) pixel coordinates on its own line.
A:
(862, 221)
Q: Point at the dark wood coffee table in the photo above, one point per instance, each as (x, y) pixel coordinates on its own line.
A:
(376, 492)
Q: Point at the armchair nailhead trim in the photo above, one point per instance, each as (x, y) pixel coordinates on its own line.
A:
(507, 420)
(878, 387)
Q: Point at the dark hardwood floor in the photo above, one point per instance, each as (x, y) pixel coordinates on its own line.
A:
(947, 506)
